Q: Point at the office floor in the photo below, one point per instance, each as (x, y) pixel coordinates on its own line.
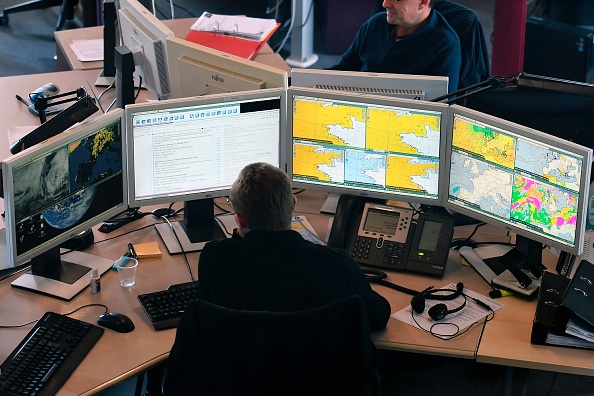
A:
(27, 47)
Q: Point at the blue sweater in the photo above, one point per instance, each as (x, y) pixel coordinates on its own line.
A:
(433, 50)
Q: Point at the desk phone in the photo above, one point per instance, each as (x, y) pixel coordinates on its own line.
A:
(379, 235)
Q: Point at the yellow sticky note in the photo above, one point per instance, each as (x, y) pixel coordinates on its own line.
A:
(147, 250)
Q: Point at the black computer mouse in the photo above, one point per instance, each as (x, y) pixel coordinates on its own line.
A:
(116, 321)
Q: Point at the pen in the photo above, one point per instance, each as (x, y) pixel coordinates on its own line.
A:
(21, 100)
(132, 251)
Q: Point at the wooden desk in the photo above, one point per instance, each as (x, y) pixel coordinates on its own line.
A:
(66, 60)
(14, 113)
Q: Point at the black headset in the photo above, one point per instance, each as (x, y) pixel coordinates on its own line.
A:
(438, 311)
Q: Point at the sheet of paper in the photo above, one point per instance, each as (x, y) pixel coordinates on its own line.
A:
(469, 315)
(88, 50)
(240, 26)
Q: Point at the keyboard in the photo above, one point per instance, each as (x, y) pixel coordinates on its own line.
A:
(164, 308)
(47, 356)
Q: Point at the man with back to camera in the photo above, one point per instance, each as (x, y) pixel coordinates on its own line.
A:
(265, 266)
(409, 38)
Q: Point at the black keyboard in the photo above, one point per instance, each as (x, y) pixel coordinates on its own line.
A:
(47, 356)
(164, 308)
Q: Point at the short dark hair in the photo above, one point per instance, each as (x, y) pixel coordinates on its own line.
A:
(263, 196)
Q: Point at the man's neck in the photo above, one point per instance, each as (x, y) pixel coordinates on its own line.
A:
(405, 30)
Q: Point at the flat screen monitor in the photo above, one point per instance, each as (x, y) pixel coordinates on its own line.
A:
(56, 189)
(531, 183)
(197, 70)
(364, 145)
(191, 150)
(407, 86)
(145, 36)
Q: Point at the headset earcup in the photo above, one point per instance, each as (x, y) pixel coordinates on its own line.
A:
(438, 311)
(418, 303)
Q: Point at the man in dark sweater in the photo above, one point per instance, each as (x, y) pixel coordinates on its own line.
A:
(409, 38)
(266, 266)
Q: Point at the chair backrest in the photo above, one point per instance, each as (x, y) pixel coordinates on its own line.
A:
(475, 55)
(476, 66)
(326, 351)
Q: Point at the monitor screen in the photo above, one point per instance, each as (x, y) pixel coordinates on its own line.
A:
(145, 36)
(57, 189)
(366, 145)
(191, 150)
(407, 86)
(197, 70)
(529, 182)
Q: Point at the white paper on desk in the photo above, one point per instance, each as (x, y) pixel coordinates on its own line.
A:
(88, 50)
(302, 226)
(470, 314)
(241, 26)
(16, 133)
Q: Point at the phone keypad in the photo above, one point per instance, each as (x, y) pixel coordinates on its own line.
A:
(395, 254)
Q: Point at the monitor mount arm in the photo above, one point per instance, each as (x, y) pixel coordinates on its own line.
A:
(491, 83)
(41, 103)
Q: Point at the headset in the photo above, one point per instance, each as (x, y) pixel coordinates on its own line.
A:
(438, 311)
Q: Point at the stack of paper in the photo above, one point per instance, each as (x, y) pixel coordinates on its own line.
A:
(238, 35)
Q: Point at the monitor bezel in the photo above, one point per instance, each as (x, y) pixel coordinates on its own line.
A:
(371, 99)
(73, 134)
(433, 86)
(133, 17)
(190, 102)
(530, 133)
(176, 47)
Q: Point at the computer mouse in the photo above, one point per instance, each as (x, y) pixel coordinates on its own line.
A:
(116, 321)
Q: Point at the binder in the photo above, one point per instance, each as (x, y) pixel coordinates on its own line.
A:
(579, 297)
(550, 315)
(229, 42)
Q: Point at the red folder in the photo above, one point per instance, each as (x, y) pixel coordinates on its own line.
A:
(234, 45)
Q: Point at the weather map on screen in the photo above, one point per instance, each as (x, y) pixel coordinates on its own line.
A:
(369, 146)
(519, 180)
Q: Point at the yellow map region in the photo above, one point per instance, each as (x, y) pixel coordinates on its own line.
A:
(306, 161)
(492, 146)
(311, 120)
(399, 172)
(385, 126)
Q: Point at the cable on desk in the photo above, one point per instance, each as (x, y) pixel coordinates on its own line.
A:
(104, 91)
(181, 247)
(65, 314)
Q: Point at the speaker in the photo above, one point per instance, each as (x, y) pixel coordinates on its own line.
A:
(438, 311)
(556, 49)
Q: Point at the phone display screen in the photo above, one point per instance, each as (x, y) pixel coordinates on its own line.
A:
(381, 221)
(430, 235)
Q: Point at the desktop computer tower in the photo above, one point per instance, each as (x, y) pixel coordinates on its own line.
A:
(556, 49)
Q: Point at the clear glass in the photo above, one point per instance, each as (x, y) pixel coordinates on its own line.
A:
(127, 270)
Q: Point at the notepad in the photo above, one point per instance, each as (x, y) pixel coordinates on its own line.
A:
(147, 250)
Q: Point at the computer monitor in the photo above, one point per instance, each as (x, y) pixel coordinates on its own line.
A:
(193, 149)
(56, 189)
(196, 70)
(364, 145)
(408, 86)
(531, 183)
(145, 36)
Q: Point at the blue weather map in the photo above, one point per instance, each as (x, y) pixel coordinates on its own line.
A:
(365, 168)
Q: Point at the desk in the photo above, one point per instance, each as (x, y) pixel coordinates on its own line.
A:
(14, 113)
(66, 60)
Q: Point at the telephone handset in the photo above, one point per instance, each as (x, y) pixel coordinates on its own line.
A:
(384, 236)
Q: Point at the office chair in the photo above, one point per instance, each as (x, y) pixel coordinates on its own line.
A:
(66, 10)
(325, 351)
(476, 66)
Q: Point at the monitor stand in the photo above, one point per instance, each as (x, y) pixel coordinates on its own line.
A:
(329, 206)
(61, 276)
(198, 227)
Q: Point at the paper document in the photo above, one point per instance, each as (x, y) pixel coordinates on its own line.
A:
(88, 50)
(470, 314)
(240, 26)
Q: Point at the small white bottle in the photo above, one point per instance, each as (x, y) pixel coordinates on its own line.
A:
(95, 281)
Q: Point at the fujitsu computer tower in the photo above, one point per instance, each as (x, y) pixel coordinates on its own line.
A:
(556, 49)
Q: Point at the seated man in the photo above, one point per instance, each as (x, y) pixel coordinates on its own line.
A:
(410, 38)
(266, 266)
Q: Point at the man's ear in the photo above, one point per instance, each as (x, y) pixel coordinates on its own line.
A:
(240, 220)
